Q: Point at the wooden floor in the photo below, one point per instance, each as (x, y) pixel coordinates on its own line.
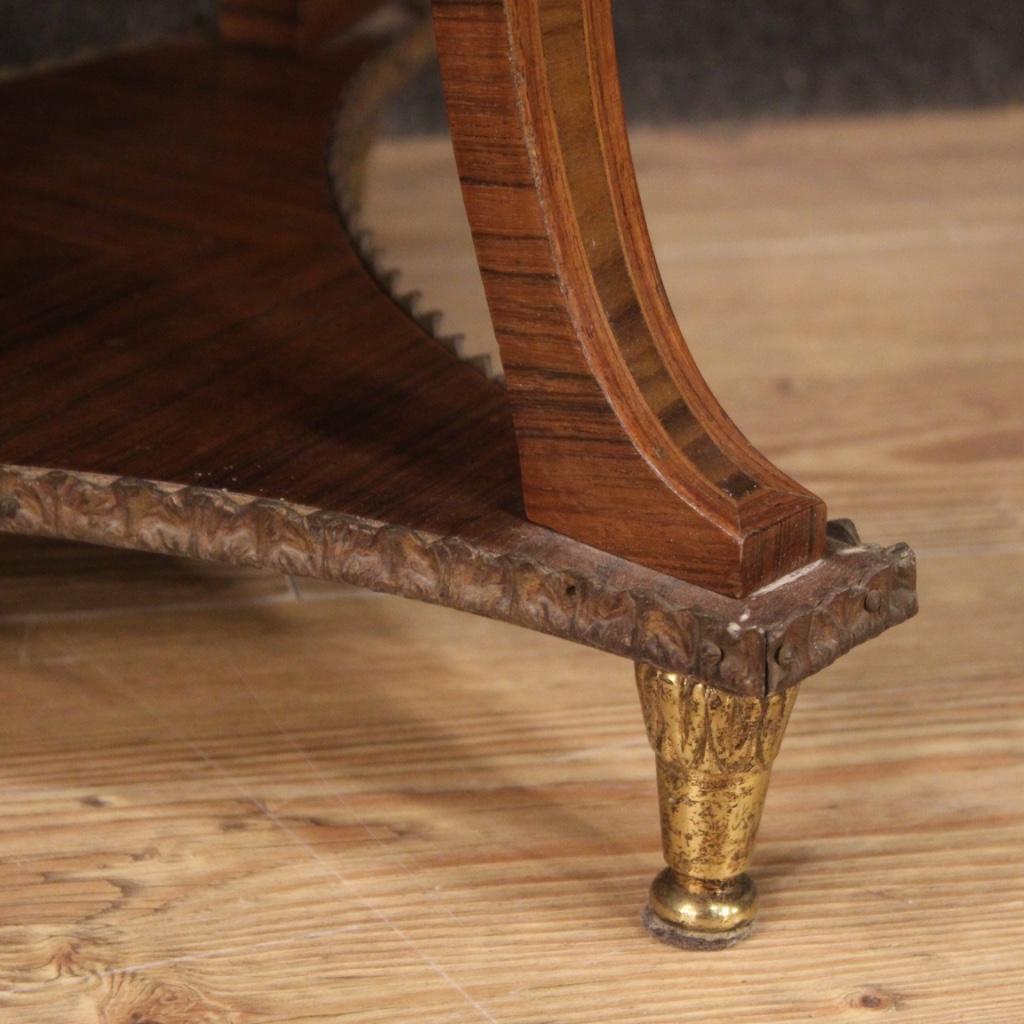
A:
(228, 797)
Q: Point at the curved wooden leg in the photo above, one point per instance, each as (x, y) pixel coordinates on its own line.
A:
(622, 444)
(714, 753)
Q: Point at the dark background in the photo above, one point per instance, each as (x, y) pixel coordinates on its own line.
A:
(37, 30)
(680, 58)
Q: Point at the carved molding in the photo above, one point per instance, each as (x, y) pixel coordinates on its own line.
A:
(816, 632)
(766, 643)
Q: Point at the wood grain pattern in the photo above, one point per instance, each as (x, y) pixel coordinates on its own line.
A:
(276, 369)
(622, 443)
(184, 839)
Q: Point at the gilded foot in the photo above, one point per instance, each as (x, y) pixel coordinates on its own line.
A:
(714, 756)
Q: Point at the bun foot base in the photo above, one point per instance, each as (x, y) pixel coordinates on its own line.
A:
(694, 913)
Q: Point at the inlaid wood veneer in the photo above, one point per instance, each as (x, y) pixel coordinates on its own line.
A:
(621, 442)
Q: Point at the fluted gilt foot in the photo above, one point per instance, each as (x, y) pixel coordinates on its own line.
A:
(714, 755)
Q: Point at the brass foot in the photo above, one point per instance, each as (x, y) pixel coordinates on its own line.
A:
(714, 755)
(695, 913)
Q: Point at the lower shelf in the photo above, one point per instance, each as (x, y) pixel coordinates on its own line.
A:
(197, 363)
